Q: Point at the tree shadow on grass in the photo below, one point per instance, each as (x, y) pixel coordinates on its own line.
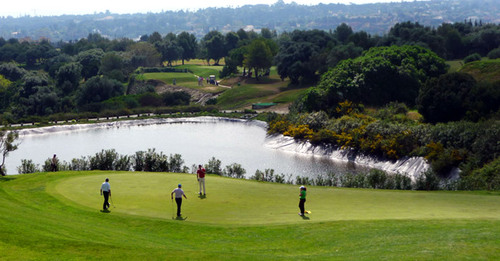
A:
(4, 179)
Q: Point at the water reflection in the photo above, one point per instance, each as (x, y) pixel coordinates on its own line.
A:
(197, 142)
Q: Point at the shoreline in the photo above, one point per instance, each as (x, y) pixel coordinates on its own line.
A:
(413, 166)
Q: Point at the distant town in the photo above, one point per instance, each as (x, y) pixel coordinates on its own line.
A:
(375, 19)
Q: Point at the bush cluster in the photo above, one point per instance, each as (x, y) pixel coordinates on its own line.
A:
(468, 146)
(149, 160)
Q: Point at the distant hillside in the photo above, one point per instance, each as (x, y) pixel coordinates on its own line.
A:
(485, 70)
(372, 18)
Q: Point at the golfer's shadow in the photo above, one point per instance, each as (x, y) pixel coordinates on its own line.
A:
(200, 196)
(107, 211)
(304, 217)
(180, 218)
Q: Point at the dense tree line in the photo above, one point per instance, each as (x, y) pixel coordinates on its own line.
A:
(41, 78)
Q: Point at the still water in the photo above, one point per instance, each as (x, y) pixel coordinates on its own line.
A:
(196, 139)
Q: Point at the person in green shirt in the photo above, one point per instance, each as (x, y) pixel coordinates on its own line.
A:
(302, 201)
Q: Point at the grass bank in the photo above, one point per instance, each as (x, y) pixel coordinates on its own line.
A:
(47, 216)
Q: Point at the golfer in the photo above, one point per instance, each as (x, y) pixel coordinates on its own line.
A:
(106, 191)
(178, 198)
(302, 197)
(53, 164)
(200, 174)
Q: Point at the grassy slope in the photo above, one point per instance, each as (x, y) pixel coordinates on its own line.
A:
(484, 70)
(40, 220)
(267, 89)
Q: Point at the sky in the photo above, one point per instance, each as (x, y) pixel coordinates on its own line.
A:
(17, 8)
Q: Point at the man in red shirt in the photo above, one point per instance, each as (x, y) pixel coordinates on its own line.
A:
(200, 174)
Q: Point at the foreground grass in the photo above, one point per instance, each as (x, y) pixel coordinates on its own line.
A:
(56, 216)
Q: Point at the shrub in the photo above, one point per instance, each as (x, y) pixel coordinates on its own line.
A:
(27, 166)
(402, 182)
(350, 180)
(175, 163)
(376, 179)
(150, 99)
(123, 163)
(473, 57)
(139, 161)
(267, 175)
(155, 162)
(213, 166)
(80, 164)
(327, 180)
(494, 54)
(61, 165)
(303, 181)
(104, 160)
(427, 180)
(176, 98)
(234, 171)
(485, 178)
(299, 132)
(279, 126)
(211, 101)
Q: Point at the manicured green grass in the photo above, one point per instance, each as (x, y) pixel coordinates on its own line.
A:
(56, 216)
(185, 79)
(188, 80)
(244, 95)
(455, 65)
(289, 96)
(202, 70)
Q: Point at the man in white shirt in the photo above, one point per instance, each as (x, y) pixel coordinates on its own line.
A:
(106, 191)
(178, 198)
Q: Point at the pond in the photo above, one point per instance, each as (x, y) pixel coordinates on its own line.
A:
(196, 139)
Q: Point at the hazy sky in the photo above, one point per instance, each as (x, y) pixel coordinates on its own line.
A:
(18, 8)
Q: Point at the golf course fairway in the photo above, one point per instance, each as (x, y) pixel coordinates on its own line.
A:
(51, 216)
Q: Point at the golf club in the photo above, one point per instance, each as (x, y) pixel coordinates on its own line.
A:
(112, 204)
(172, 209)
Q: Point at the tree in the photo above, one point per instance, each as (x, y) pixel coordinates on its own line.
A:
(300, 55)
(143, 54)
(232, 40)
(11, 71)
(213, 42)
(7, 144)
(343, 52)
(68, 77)
(43, 102)
(342, 32)
(443, 99)
(90, 61)
(38, 53)
(5, 94)
(170, 51)
(98, 89)
(189, 45)
(154, 38)
(31, 80)
(113, 66)
(381, 75)
(259, 57)
(267, 34)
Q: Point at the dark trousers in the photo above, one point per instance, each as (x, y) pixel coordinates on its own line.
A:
(301, 205)
(106, 197)
(179, 203)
